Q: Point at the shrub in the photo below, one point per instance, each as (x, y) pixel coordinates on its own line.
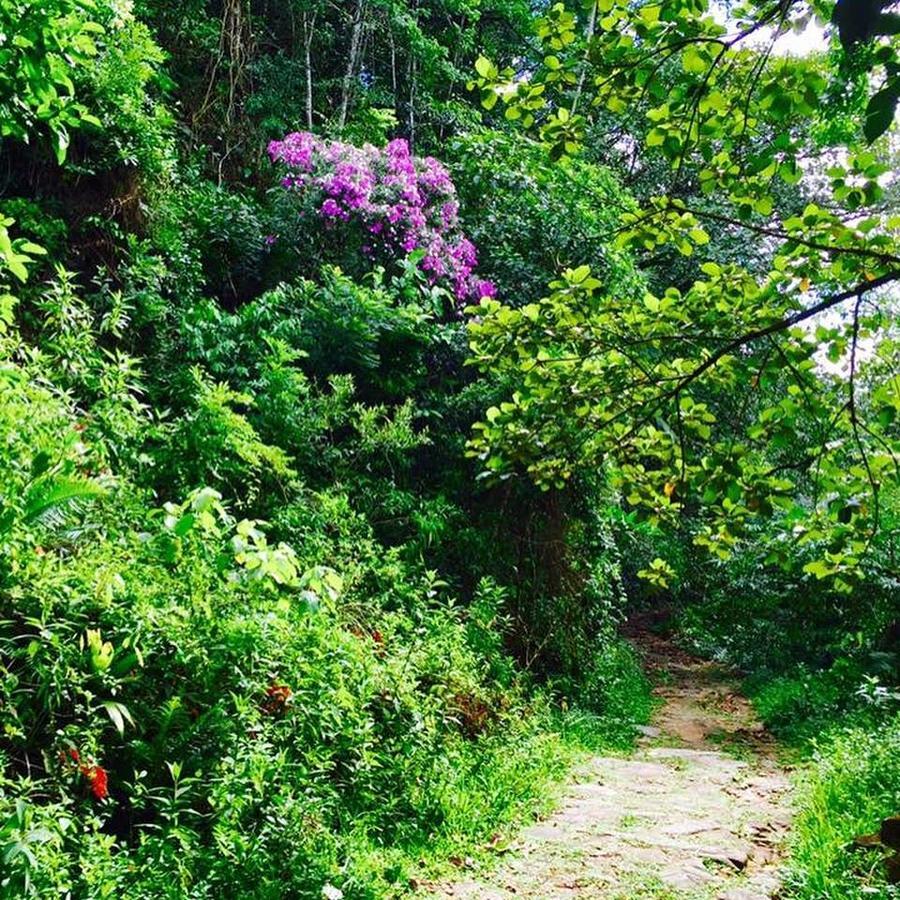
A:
(123, 85)
(36, 91)
(614, 686)
(200, 706)
(228, 228)
(531, 217)
(806, 702)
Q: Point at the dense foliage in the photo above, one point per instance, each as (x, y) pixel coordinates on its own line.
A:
(640, 381)
(362, 364)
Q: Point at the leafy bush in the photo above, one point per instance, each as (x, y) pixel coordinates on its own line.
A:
(185, 684)
(55, 39)
(201, 704)
(531, 217)
(124, 85)
(807, 702)
(613, 685)
(228, 230)
(213, 443)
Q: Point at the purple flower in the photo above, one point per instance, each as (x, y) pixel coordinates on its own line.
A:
(331, 208)
(449, 213)
(404, 201)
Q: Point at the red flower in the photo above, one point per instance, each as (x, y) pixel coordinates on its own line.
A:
(96, 776)
(98, 780)
(278, 696)
(378, 640)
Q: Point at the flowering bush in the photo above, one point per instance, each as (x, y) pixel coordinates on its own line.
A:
(393, 202)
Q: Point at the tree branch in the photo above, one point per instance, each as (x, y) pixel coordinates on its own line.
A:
(786, 236)
(854, 418)
(788, 322)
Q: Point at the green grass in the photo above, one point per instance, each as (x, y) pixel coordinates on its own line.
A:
(485, 800)
(851, 785)
(849, 760)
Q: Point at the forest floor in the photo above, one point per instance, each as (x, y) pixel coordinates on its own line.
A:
(699, 811)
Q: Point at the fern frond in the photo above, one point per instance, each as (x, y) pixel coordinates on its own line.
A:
(47, 495)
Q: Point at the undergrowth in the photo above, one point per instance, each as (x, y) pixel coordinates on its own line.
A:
(852, 784)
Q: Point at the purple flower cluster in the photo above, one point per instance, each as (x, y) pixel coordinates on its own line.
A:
(398, 202)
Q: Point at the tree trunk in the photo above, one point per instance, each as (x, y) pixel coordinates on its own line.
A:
(309, 25)
(588, 34)
(393, 63)
(356, 29)
(411, 118)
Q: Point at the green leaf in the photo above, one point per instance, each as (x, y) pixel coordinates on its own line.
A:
(880, 112)
(40, 463)
(693, 61)
(580, 274)
(48, 494)
(485, 68)
(61, 143)
(699, 236)
(184, 524)
(118, 714)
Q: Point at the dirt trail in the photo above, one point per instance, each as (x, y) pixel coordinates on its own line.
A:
(698, 812)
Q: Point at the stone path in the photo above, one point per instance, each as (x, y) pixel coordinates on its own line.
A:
(698, 812)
